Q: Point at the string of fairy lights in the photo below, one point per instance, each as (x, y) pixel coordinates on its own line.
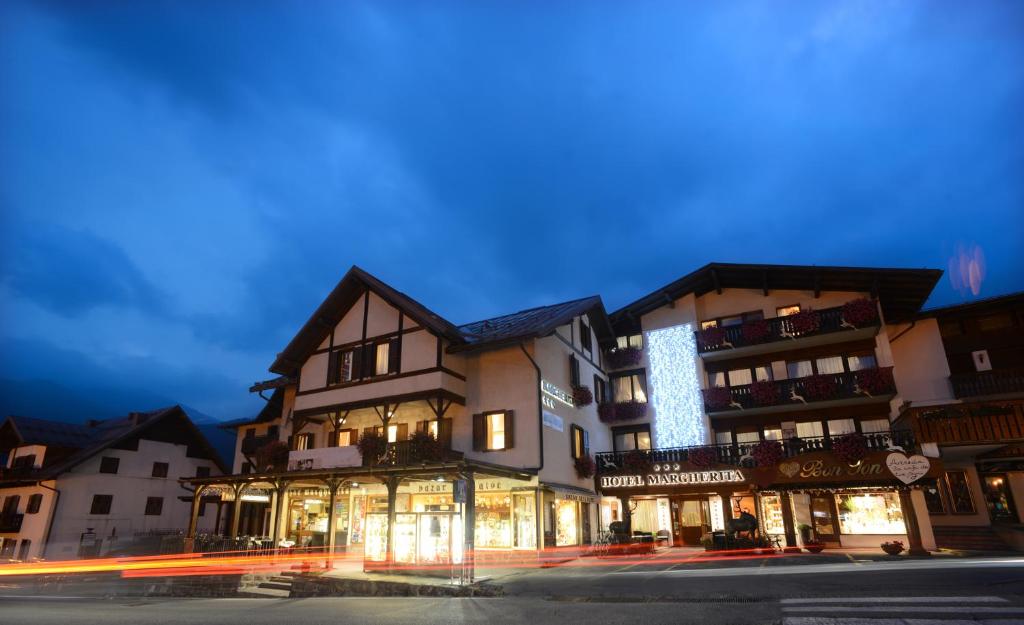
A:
(675, 388)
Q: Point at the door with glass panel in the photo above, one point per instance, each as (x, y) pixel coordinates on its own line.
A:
(693, 521)
(824, 519)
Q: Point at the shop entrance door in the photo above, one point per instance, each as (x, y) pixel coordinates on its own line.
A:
(824, 518)
(998, 498)
(692, 521)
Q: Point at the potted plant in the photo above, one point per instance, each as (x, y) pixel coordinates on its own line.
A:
(272, 456)
(874, 381)
(804, 322)
(703, 457)
(585, 466)
(815, 546)
(819, 387)
(710, 338)
(893, 547)
(637, 461)
(629, 410)
(423, 447)
(716, 397)
(582, 396)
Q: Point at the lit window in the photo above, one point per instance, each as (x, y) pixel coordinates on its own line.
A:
(763, 374)
(630, 388)
(346, 366)
(870, 514)
(740, 377)
(717, 378)
(809, 429)
(773, 434)
(831, 364)
(723, 438)
(874, 425)
(711, 323)
(433, 430)
(383, 349)
(838, 427)
(633, 340)
(747, 437)
(865, 361)
(727, 322)
(344, 438)
(799, 369)
(495, 430)
(785, 311)
(392, 433)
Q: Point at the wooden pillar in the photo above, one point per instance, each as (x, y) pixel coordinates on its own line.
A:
(236, 510)
(726, 513)
(910, 521)
(392, 485)
(193, 519)
(332, 488)
(469, 528)
(280, 494)
(216, 519)
(787, 520)
(627, 519)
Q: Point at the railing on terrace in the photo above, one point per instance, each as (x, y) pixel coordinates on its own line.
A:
(981, 383)
(738, 454)
(866, 383)
(790, 327)
(966, 424)
(406, 453)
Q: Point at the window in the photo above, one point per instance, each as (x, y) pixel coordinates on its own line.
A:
(716, 379)
(748, 437)
(109, 465)
(959, 491)
(492, 431)
(799, 369)
(732, 320)
(396, 432)
(710, 323)
(11, 505)
(23, 549)
(870, 426)
(305, 441)
(785, 311)
(997, 321)
(34, 503)
(809, 429)
(344, 438)
(24, 463)
(830, 364)
(723, 438)
(861, 361)
(246, 467)
(202, 471)
(740, 377)
(870, 514)
(633, 340)
(579, 441)
(381, 360)
(600, 389)
(160, 469)
(585, 339)
(772, 433)
(343, 370)
(630, 387)
(574, 371)
(101, 504)
(250, 433)
(154, 506)
(838, 427)
(631, 437)
(933, 499)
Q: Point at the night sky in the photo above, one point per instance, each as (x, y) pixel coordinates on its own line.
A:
(181, 183)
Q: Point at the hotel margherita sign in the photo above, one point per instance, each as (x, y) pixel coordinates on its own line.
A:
(724, 476)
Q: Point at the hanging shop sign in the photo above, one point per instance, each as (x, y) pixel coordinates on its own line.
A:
(459, 491)
(724, 476)
(907, 470)
(551, 393)
(553, 421)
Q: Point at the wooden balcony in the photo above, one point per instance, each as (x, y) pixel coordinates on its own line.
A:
(965, 424)
(988, 383)
(738, 454)
(253, 443)
(806, 329)
(813, 392)
(405, 453)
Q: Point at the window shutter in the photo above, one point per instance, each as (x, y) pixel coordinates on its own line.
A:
(332, 367)
(510, 428)
(332, 438)
(370, 356)
(368, 431)
(291, 442)
(586, 443)
(395, 355)
(572, 440)
(403, 432)
(421, 426)
(446, 433)
(479, 432)
(574, 371)
(357, 363)
(353, 436)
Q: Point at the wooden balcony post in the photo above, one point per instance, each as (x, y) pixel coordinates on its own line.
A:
(787, 518)
(389, 551)
(332, 488)
(236, 509)
(193, 519)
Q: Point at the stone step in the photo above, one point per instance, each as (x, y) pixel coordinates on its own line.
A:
(275, 586)
(264, 593)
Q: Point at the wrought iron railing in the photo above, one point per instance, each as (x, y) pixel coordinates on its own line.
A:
(981, 383)
(775, 329)
(874, 382)
(738, 454)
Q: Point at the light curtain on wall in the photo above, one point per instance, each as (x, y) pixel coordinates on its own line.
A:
(645, 517)
(800, 369)
(832, 364)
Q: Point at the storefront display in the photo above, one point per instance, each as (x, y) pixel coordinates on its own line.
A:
(376, 539)
(771, 512)
(405, 538)
(493, 520)
(566, 522)
(874, 513)
(524, 513)
(357, 524)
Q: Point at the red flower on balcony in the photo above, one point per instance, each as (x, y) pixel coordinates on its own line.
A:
(621, 411)
(273, 455)
(767, 453)
(764, 393)
(860, 313)
(756, 331)
(717, 397)
(819, 387)
(622, 357)
(710, 338)
(703, 457)
(582, 396)
(637, 461)
(875, 381)
(585, 467)
(804, 322)
(850, 448)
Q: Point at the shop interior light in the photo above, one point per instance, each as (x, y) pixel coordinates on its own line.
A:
(439, 478)
(675, 390)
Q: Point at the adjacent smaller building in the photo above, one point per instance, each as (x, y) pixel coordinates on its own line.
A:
(72, 490)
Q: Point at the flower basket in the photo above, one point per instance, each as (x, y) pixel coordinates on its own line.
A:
(372, 447)
(754, 332)
(875, 381)
(710, 338)
(767, 453)
(606, 411)
(621, 411)
(819, 387)
(804, 322)
(764, 393)
(717, 397)
(582, 396)
(423, 447)
(273, 455)
(585, 467)
(637, 461)
(893, 548)
(860, 313)
(703, 457)
(850, 448)
(623, 357)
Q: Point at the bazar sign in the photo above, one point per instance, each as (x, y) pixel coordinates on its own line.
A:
(725, 476)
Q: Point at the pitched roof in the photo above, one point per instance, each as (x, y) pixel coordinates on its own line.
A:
(352, 285)
(978, 306)
(901, 291)
(533, 323)
(33, 431)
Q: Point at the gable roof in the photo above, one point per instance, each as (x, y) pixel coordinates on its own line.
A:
(978, 306)
(901, 291)
(349, 289)
(533, 323)
(87, 440)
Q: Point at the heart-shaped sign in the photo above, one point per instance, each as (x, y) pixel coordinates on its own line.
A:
(789, 469)
(907, 470)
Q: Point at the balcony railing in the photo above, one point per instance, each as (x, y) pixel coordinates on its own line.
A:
(738, 454)
(10, 523)
(982, 383)
(789, 328)
(958, 424)
(405, 453)
(253, 443)
(876, 382)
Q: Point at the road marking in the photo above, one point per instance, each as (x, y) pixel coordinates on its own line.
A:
(846, 567)
(944, 599)
(821, 620)
(958, 609)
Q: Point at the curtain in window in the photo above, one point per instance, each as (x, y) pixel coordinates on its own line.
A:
(799, 369)
(747, 437)
(723, 438)
(832, 364)
(383, 349)
(810, 429)
(837, 427)
(739, 377)
(625, 442)
(638, 389)
(862, 362)
(717, 378)
(773, 434)
(763, 374)
(874, 425)
(622, 388)
(645, 517)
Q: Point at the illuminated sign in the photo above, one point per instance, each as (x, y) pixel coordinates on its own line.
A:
(552, 392)
(724, 476)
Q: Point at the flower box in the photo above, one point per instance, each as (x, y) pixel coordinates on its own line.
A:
(893, 548)
(756, 331)
(585, 467)
(875, 381)
(860, 313)
(819, 387)
(623, 357)
(804, 322)
(764, 393)
(850, 448)
(710, 338)
(767, 453)
(621, 411)
(717, 397)
(703, 457)
(637, 461)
